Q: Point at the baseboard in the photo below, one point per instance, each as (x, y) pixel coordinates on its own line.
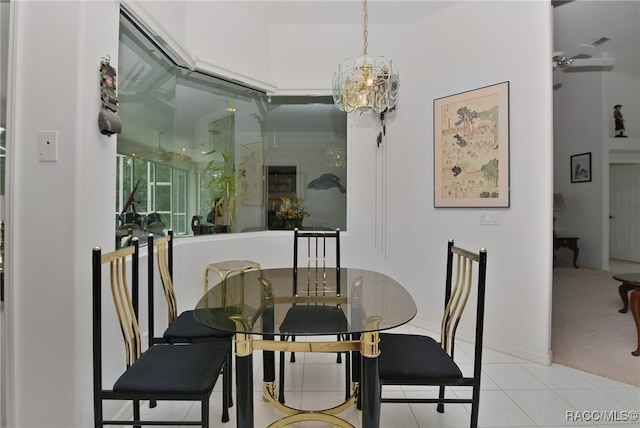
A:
(125, 413)
(514, 351)
(525, 354)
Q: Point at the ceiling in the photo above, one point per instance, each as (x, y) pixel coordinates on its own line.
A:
(577, 22)
(342, 11)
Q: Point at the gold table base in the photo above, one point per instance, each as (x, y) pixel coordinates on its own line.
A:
(367, 345)
(294, 415)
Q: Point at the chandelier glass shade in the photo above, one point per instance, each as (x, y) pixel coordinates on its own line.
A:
(366, 83)
(337, 157)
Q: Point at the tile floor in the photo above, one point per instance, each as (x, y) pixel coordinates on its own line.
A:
(515, 393)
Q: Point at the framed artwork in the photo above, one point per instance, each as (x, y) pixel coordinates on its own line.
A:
(471, 148)
(253, 183)
(581, 168)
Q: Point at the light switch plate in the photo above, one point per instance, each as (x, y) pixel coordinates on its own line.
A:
(48, 146)
(491, 218)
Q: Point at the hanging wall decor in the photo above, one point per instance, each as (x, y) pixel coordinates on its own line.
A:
(108, 120)
(471, 148)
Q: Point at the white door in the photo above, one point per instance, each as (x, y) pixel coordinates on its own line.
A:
(624, 212)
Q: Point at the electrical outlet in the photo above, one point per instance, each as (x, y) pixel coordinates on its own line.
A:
(48, 146)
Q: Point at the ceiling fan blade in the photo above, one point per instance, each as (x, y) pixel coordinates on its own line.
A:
(179, 156)
(153, 156)
(592, 62)
(162, 155)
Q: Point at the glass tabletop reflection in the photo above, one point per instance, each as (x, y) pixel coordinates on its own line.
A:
(259, 300)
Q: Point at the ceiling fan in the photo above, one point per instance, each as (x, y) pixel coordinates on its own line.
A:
(580, 57)
(562, 63)
(160, 154)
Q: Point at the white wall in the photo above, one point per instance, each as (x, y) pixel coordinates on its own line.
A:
(578, 129)
(392, 225)
(229, 42)
(56, 211)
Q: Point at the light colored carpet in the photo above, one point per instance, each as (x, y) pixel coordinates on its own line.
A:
(588, 333)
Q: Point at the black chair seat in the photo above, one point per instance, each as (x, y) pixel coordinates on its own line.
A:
(313, 320)
(186, 326)
(171, 370)
(430, 363)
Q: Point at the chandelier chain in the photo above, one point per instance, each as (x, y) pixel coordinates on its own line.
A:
(366, 83)
(365, 24)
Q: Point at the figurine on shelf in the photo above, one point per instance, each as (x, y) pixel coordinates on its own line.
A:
(617, 115)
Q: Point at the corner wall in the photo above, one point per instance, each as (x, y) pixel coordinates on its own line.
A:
(56, 211)
(392, 225)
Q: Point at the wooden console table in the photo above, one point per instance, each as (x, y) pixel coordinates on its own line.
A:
(631, 282)
(570, 242)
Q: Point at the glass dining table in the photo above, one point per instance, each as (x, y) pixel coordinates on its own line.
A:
(253, 304)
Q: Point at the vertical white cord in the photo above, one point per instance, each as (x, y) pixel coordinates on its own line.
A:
(376, 221)
(384, 196)
(381, 193)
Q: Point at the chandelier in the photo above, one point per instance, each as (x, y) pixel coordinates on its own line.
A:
(366, 83)
(337, 157)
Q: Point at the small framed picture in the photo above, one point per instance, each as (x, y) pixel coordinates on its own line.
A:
(581, 168)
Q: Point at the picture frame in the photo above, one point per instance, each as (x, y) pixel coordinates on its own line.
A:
(471, 148)
(580, 168)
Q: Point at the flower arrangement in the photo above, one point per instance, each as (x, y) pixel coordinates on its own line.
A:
(290, 213)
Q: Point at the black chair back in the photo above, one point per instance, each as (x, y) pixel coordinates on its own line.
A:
(161, 255)
(125, 301)
(458, 288)
(317, 270)
(322, 280)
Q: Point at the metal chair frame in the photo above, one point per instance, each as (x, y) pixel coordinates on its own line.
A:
(458, 289)
(126, 308)
(316, 284)
(161, 255)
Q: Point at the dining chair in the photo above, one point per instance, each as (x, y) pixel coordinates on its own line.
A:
(319, 280)
(186, 372)
(407, 359)
(184, 327)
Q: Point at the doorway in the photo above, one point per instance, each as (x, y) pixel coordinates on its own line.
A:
(624, 206)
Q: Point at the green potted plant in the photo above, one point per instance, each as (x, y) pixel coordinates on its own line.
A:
(224, 176)
(225, 184)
